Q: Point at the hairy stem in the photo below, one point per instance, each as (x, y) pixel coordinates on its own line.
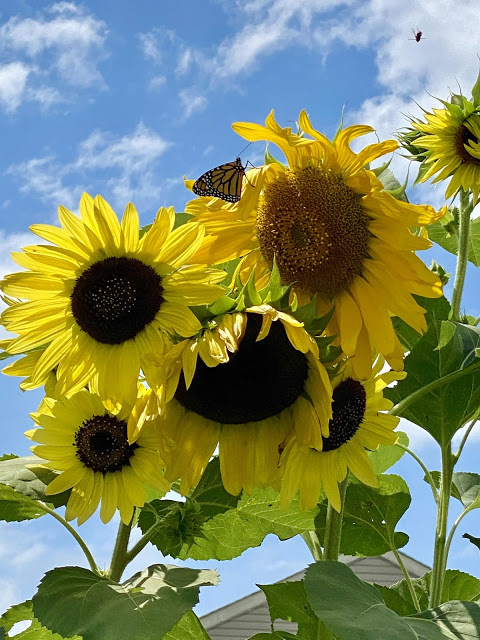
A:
(333, 526)
(75, 534)
(440, 548)
(119, 557)
(453, 529)
(408, 579)
(462, 255)
(311, 540)
(464, 439)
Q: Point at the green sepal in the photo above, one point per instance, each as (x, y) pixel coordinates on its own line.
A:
(221, 306)
(269, 159)
(476, 92)
(340, 126)
(383, 167)
(443, 276)
(275, 293)
(248, 296)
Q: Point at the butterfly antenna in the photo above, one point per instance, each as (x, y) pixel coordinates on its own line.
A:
(244, 149)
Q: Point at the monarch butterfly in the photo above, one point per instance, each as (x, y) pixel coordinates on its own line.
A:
(224, 181)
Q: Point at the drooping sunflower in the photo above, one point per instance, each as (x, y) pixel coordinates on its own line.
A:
(333, 231)
(246, 385)
(451, 138)
(88, 446)
(100, 297)
(357, 424)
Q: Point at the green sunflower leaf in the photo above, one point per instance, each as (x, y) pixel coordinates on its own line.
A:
(460, 619)
(188, 627)
(181, 218)
(355, 610)
(15, 507)
(23, 613)
(288, 601)
(370, 517)
(275, 635)
(448, 240)
(457, 586)
(232, 524)
(445, 357)
(465, 487)
(388, 454)
(75, 601)
(28, 477)
(437, 309)
(180, 524)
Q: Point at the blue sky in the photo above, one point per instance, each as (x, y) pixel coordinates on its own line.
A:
(124, 99)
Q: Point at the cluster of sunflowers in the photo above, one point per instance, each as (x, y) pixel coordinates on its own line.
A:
(260, 327)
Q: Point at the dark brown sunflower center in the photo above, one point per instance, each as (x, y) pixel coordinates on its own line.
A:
(260, 380)
(102, 444)
(463, 137)
(315, 227)
(348, 409)
(115, 298)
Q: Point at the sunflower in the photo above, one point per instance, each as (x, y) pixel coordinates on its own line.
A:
(100, 298)
(356, 424)
(334, 232)
(88, 446)
(451, 137)
(247, 383)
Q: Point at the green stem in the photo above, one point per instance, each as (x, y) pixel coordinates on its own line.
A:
(333, 525)
(440, 548)
(454, 528)
(424, 469)
(119, 557)
(408, 579)
(399, 408)
(75, 534)
(464, 439)
(311, 540)
(141, 544)
(462, 255)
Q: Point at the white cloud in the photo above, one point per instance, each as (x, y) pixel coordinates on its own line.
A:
(418, 437)
(191, 103)
(13, 78)
(63, 44)
(157, 82)
(406, 70)
(129, 163)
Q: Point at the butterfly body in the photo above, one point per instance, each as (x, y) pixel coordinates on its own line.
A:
(224, 181)
(417, 35)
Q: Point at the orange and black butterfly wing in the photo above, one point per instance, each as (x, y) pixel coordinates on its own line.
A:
(224, 181)
(202, 188)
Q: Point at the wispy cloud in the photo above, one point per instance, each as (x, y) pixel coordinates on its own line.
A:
(405, 69)
(191, 102)
(63, 46)
(125, 166)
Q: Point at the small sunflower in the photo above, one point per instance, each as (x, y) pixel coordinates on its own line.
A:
(88, 446)
(333, 230)
(356, 424)
(246, 385)
(100, 298)
(451, 138)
